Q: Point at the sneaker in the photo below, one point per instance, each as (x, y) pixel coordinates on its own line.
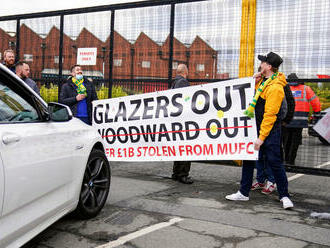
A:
(257, 185)
(269, 188)
(237, 197)
(287, 203)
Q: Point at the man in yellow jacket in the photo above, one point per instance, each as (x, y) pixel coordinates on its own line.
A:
(267, 112)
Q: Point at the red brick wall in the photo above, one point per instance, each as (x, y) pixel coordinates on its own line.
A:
(142, 52)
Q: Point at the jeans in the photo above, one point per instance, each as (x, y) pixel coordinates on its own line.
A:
(271, 150)
(264, 171)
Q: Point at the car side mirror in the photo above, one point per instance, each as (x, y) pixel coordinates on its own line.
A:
(59, 112)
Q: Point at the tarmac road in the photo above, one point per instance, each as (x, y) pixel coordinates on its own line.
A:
(147, 209)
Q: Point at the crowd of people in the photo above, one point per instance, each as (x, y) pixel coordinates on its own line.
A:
(279, 129)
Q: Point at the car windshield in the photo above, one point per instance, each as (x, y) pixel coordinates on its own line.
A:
(13, 108)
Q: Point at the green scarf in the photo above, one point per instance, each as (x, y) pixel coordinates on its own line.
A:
(250, 111)
(81, 89)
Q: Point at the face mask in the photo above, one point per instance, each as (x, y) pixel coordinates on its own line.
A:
(79, 76)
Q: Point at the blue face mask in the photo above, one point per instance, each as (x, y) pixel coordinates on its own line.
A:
(79, 76)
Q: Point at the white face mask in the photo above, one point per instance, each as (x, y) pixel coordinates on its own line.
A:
(79, 76)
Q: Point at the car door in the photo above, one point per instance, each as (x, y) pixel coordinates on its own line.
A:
(36, 156)
(2, 185)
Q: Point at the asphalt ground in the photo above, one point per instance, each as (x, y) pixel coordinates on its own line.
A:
(147, 209)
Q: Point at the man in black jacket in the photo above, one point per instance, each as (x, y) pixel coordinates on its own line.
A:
(23, 71)
(181, 168)
(78, 93)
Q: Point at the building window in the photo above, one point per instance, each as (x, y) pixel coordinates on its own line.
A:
(56, 59)
(145, 64)
(175, 65)
(149, 54)
(200, 67)
(28, 57)
(117, 62)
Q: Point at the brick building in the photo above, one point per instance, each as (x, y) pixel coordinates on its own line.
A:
(6, 42)
(144, 58)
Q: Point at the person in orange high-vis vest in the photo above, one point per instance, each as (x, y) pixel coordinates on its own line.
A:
(304, 96)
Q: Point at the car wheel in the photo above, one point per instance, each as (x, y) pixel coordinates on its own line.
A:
(95, 186)
(324, 141)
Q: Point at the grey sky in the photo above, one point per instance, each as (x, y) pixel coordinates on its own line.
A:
(33, 6)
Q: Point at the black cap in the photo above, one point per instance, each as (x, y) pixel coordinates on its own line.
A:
(293, 76)
(272, 58)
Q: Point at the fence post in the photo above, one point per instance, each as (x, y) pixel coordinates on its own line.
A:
(243, 41)
(18, 24)
(247, 42)
(251, 38)
(60, 55)
(170, 60)
(112, 33)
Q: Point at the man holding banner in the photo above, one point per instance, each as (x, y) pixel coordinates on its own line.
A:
(267, 108)
(181, 168)
(202, 122)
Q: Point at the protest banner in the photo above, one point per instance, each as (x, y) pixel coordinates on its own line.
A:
(203, 122)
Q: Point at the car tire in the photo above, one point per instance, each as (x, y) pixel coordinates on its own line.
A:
(324, 141)
(95, 186)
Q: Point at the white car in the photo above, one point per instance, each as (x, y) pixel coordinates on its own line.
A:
(50, 163)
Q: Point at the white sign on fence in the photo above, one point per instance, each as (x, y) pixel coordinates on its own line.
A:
(86, 56)
(323, 126)
(203, 122)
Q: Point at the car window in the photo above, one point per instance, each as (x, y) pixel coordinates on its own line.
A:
(13, 108)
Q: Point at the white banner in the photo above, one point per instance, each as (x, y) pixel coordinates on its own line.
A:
(86, 56)
(323, 126)
(203, 122)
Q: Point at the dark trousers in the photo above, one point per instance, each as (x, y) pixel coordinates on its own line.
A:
(85, 119)
(292, 138)
(264, 172)
(271, 151)
(181, 168)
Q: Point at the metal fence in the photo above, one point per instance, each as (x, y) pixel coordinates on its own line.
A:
(139, 45)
